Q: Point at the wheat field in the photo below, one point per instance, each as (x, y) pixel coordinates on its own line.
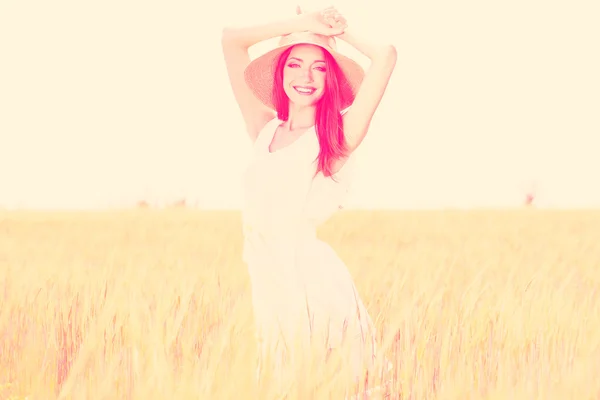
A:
(156, 304)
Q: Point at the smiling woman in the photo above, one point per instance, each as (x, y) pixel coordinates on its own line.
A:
(307, 107)
(299, 83)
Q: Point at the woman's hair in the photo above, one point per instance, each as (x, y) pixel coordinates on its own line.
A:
(328, 121)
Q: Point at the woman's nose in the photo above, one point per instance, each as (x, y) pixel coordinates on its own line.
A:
(307, 74)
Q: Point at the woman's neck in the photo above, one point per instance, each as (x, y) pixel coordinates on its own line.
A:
(300, 117)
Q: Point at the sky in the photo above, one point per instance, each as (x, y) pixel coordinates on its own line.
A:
(104, 104)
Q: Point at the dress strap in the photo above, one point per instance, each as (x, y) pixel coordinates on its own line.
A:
(266, 135)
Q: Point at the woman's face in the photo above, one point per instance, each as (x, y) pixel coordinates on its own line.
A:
(304, 75)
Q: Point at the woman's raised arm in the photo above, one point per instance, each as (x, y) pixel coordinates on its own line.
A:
(235, 43)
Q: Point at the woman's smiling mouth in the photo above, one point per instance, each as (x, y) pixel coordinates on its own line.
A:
(305, 90)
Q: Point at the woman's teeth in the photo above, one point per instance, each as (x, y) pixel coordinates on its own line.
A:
(304, 90)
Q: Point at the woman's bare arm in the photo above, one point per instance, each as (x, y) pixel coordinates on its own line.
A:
(383, 61)
(235, 43)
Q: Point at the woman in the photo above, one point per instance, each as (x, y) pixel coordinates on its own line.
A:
(306, 108)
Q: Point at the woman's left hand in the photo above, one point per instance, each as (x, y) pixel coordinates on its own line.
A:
(335, 19)
(330, 16)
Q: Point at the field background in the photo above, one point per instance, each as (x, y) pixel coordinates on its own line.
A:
(156, 304)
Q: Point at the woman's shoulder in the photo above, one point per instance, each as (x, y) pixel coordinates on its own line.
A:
(266, 131)
(261, 122)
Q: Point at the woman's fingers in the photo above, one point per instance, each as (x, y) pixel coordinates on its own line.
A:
(334, 15)
(336, 22)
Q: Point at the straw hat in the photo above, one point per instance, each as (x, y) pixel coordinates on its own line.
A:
(259, 74)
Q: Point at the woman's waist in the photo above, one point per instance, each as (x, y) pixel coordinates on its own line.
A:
(276, 242)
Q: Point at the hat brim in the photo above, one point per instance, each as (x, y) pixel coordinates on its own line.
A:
(260, 73)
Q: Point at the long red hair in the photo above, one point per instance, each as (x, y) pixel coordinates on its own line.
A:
(329, 124)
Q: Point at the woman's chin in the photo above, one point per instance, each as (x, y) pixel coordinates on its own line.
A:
(304, 101)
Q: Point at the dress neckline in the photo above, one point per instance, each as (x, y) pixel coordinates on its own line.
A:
(274, 131)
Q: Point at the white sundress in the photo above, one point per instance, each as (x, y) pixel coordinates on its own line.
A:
(302, 293)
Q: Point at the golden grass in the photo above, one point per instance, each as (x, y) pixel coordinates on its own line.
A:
(155, 305)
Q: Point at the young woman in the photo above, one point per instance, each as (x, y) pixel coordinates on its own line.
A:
(306, 108)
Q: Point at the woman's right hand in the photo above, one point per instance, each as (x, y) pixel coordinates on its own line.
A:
(327, 22)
